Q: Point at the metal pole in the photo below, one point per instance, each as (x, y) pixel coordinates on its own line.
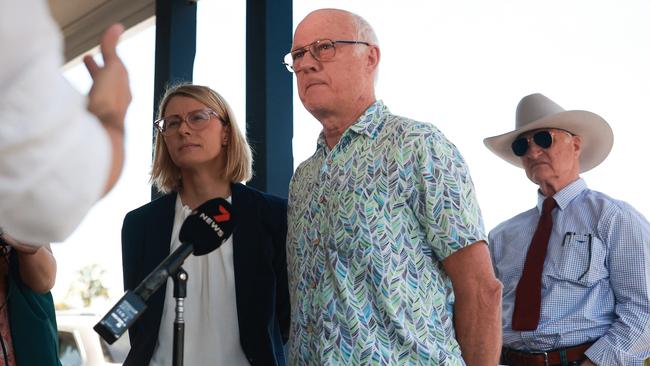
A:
(180, 292)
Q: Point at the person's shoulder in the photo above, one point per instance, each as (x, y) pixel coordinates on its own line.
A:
(513, 222)
(259, 207)
(259, 196)
(611, 206)
(407, 132)
(312, 159)
(306, 172)
(410, 127)
(166, 200)
(423, 139)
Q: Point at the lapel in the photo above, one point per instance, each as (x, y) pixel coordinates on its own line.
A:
(243, 239)
(159, 233)
(160, 229)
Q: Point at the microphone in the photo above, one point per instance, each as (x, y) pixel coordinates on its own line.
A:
(203, 231)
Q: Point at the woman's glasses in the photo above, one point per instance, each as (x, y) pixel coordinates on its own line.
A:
(196, 120)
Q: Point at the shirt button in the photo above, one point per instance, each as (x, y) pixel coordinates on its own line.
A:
(322, 199)
(316, 241)
(313, 285)
(309, 329)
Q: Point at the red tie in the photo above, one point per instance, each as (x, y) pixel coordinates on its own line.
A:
(528, 298)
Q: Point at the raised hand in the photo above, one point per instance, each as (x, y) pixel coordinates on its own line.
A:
(110, 95)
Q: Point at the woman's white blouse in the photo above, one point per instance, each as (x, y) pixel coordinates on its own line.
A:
(211, 327)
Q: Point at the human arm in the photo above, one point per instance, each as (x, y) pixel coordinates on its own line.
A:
(54, 154)
(454, 226)
(110, 97)
(37, 265)
(627, 236)
(477, 309)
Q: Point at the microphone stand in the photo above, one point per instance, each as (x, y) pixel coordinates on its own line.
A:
(180, 292)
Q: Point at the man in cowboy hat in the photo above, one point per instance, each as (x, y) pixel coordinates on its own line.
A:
(576, 268)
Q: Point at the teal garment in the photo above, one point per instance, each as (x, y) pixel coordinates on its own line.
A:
(370, 222)
(33, 321)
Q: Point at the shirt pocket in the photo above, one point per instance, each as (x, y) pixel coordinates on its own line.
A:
(582, 260)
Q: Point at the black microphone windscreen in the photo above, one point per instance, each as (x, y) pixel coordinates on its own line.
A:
(207, 227)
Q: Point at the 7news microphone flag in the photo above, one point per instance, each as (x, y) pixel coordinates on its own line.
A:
(203, 231)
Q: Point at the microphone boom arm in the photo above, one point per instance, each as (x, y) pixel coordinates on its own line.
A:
(133, 303)
(159, 275)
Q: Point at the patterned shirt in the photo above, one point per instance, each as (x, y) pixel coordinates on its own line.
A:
(596, 278)
(369, 223)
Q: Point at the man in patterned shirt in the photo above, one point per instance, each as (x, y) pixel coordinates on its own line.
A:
(592, 284)
(387, 258)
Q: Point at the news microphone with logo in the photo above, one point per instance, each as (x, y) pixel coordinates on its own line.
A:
(203, 231)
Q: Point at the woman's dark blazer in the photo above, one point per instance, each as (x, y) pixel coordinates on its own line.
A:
(259, 258)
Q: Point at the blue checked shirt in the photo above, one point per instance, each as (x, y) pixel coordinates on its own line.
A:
(596, 278)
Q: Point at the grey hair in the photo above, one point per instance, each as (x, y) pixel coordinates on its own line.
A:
(364, 33)
(364, 30)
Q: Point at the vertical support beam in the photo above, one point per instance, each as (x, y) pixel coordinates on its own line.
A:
(175, 48)
(269, 93)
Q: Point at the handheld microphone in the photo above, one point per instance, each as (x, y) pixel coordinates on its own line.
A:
(203, 231)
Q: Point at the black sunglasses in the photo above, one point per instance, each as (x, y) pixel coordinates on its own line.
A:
(543, 139)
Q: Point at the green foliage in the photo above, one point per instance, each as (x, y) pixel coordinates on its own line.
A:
(88, 284)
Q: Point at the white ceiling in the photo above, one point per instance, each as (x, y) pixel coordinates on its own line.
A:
(83, 21)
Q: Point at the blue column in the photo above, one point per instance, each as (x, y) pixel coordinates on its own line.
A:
(175, 48)
(269, 93)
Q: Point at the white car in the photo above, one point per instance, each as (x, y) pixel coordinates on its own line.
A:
(80, 345)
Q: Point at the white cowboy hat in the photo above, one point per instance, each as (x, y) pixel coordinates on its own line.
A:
(537, 111)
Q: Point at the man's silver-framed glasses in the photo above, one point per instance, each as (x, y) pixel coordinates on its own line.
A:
(321, 50)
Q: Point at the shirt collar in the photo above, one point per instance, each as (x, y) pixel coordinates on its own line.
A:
(565, 195)
(370, 123)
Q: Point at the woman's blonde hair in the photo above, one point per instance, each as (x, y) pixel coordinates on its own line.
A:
(166, 176)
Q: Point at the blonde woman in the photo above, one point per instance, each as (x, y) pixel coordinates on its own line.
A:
(237, 305)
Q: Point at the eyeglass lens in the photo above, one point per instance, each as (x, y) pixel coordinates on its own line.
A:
(195, 120)
(543, 139)
(321, 50)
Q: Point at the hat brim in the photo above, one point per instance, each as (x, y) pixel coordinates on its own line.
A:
(597, 137)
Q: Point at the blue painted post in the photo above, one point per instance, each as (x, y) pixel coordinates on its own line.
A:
(269, 93)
